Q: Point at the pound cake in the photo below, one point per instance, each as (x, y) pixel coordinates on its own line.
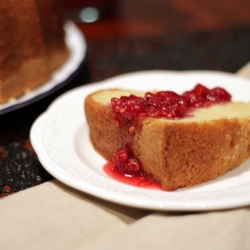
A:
(32, 44)
(188, 142)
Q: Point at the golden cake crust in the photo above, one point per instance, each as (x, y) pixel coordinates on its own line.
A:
(28, 50)
(176, 153)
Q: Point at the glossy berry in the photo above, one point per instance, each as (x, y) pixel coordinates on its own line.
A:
(124, 162)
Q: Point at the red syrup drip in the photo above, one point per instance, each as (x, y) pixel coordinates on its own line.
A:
(137, 179)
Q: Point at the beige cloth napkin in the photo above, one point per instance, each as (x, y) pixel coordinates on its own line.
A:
(55, 216)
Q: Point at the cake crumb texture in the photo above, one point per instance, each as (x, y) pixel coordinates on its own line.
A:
(175, 153)
(31, 45)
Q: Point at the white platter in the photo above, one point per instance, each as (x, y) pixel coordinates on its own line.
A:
(76, 44)
(61, 141)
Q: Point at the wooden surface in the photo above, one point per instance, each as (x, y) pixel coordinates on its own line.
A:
(136, 35)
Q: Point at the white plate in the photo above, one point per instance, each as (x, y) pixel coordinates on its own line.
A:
(61, 140)
(76, 43)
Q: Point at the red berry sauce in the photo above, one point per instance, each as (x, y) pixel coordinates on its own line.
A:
(137, 179)
(167, 104)
(164, 104)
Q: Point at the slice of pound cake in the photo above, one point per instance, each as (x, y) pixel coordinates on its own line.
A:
(175, 140)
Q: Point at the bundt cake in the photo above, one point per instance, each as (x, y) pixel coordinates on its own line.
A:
(177, 150)
(31, 44)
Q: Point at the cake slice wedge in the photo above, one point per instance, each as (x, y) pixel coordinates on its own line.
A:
(176, 153)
